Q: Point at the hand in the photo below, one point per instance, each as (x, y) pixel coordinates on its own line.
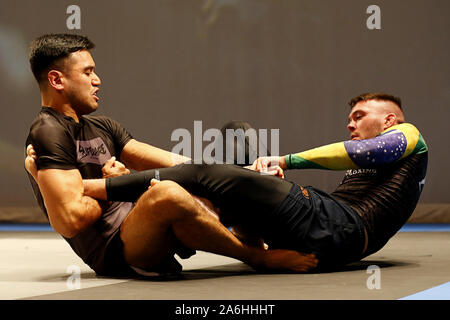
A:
(270, 165)
(30, 162)
(114, 168)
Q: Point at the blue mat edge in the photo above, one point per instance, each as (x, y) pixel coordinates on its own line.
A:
(439, 292)
(31, 227)
(425, 227)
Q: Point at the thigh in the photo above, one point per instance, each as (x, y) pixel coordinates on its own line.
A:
(148, 241)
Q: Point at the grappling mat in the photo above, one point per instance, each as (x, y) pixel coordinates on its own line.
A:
(38, 264)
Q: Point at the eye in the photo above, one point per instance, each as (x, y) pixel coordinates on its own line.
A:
(88, 72)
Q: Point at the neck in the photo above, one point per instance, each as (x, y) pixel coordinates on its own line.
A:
(59, 105)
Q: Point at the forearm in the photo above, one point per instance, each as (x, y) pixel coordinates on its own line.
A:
(330, 157)
(141, 156)
(72, 218)
(95, 188)
(69, 210)
(86, 212)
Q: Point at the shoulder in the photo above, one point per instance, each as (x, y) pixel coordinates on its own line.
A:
(46, 125)
(406, 128)
(51, 137)
(415, 143)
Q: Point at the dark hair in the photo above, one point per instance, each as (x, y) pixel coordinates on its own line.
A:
(47, 50)
(375, 96)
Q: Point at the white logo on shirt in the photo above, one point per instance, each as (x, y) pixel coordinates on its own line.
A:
(92, 151)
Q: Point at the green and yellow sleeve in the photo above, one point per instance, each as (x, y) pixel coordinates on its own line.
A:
(391, 145)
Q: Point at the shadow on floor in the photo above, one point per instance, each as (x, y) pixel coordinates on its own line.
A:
(363, 265)
(228, 270)
(220, 271)
(64, 276)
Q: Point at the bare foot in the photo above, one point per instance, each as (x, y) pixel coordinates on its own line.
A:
(287, 261)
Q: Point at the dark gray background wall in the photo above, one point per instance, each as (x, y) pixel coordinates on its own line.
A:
(291, 65)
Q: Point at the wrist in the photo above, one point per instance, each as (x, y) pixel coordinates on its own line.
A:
(284, 162)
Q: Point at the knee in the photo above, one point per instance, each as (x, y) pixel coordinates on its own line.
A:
(165, 193)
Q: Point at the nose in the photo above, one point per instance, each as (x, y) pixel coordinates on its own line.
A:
(351, 126)
(96, 80)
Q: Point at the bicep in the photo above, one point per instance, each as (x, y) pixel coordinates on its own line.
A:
(394, 144)
(60, 187)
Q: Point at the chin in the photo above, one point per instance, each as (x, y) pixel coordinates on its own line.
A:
(88, 109)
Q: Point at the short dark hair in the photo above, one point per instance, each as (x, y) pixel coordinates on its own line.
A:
(375, 96)
(47, 50)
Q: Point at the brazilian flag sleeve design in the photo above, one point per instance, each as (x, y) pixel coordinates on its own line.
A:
(393, 144)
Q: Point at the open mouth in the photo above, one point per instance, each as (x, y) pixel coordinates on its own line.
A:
(95, 96)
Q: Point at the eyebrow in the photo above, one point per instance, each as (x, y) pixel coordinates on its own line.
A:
(89, 68)
(354, 113)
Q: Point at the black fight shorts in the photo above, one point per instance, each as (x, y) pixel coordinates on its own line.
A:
(312, 221)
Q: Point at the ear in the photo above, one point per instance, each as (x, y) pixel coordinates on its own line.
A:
(55, 79)
(389, 120)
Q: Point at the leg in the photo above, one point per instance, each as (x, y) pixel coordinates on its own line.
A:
(245, 196)
(167, 213)
(242, 193)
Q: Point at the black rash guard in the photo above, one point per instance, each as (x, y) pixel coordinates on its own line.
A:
(384, 180)
(385, 197)
(62, 143)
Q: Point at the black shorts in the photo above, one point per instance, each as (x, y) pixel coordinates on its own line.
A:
(114, 263)
(312, 221)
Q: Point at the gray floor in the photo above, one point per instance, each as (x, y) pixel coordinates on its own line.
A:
(39, 265)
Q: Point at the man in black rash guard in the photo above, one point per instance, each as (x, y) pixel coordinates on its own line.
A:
(386, 163)
(66, 145)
